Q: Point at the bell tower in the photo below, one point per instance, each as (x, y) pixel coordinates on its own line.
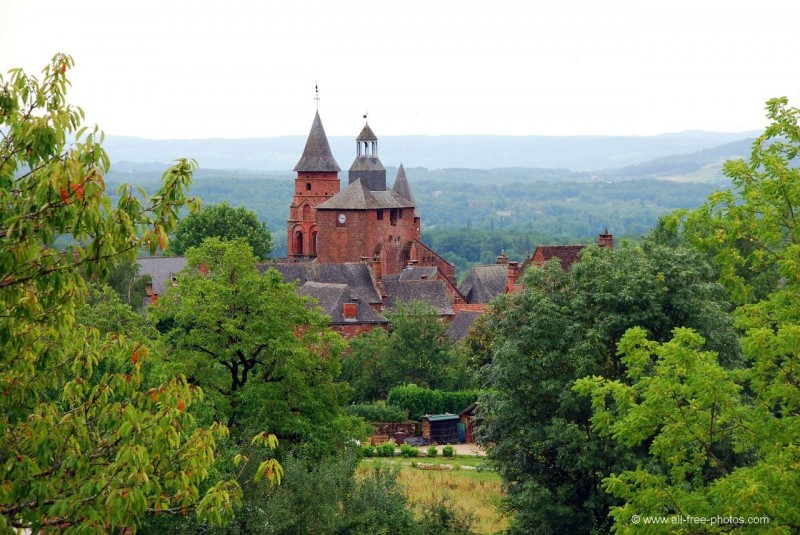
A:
(317, 181)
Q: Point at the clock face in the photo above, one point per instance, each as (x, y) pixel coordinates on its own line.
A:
(342, 218)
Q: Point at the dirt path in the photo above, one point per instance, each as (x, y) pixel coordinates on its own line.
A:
(461, 449)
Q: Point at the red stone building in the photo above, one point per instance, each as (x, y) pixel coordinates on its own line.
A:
(366, 220)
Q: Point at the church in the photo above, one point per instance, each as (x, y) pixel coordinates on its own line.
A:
(364, 221)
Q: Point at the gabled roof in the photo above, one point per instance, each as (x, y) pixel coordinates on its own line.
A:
(463, 320)
(367, 134)
(355, 275)
(331, 298)
(432, 292)
(566, 254)
(317, 155)
(161, 270)
(356, 196)
(401, 186)
(484, 283)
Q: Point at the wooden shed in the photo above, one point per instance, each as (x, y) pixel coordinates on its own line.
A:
(441, 428)
(466, 424)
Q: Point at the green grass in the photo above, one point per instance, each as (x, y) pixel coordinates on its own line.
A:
(474, 491)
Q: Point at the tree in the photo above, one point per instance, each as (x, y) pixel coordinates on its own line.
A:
(130, 287)
(722, 443)
(564, 326)
(265, 359)
(416, 350)
(225, 222)
(84, 447)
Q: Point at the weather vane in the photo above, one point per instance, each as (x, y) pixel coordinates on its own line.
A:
(316, 98)
(365, 116)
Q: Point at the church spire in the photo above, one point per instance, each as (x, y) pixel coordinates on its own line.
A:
(317, 156)
(401, 186)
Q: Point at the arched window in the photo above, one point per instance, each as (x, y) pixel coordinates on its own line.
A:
(298, 243)
(306, 212)
(314, 242)
(308, 186)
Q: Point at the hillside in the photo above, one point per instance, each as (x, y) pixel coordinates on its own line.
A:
(577, 153)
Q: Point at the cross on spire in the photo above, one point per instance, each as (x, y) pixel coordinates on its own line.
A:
(316, 97)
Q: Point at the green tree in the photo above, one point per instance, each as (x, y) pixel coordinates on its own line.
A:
(84, 446)
(130, 287)
(225, 222)
(722, 443)
(416, 350)
(564, 326)
(265, 359)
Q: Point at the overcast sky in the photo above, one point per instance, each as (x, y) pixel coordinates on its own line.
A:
(197, 69)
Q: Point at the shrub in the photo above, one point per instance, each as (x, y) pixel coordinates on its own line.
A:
(378, 411)
(385, 450)
(420, 401)
(438, 515)
(368, 451)
(449, 451)
(409, 451)
(432, 451)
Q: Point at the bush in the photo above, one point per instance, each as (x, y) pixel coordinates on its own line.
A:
(439, 516)
(409, 451)
(385, 450)
(368, 451)
(420, 401)
(378, 411)
(449, 451)
(432, 451)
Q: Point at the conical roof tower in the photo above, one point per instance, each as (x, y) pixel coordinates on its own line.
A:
(317, 156)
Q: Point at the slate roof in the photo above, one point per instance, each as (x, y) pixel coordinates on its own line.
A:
(161, 270)
(401, 186)
(459, 326)
(416, 273)
(566, 254)
(331, 297)
(355, 275)
(317, 154)
(366, 163)
(356, 196)
(433, 292)
(367, 134)
(484, 283)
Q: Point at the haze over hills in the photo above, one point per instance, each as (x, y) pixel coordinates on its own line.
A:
(576, 153)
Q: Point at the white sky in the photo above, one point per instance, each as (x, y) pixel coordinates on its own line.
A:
(235, 68)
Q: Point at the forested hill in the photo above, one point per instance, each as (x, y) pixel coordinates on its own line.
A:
(577, 153)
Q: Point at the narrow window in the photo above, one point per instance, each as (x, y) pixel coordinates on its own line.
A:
(393, 216)
(308, 186)
(380, 215)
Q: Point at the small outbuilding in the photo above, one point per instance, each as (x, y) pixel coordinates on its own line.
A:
(466, 425)
(441, 428)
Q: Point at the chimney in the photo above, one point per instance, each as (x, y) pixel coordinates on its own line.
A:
(350, 311)
(513, 275)
(377, 268)
(606, 240)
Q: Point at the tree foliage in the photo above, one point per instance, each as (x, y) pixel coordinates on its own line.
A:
(225, 222)
(723, 442)
(84, 446)
(416, 350)
(564, 326)
(266, 360)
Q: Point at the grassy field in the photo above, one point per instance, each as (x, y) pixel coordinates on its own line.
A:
(474, 491)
